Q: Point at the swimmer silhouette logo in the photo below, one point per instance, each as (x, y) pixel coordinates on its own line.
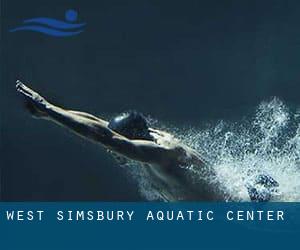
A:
(53, 27)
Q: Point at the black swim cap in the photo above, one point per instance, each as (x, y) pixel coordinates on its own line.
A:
(132, 125)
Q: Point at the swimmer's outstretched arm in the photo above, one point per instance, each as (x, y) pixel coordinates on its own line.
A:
(95, 129)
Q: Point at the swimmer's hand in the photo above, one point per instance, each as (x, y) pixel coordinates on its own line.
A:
(35, 103)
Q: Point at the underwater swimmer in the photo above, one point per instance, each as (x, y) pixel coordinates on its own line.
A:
(129, 135)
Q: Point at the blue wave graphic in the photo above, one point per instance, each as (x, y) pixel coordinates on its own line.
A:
(55, 27)
(53, 23)
(47, 31)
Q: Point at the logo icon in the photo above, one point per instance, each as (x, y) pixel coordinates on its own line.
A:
(53, 27)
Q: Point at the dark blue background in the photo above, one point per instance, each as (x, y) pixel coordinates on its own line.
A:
(182, 62)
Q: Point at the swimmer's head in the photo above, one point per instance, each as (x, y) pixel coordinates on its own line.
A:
(132, 125)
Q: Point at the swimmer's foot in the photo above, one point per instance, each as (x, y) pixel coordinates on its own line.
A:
(263, 188)
(34, 103)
